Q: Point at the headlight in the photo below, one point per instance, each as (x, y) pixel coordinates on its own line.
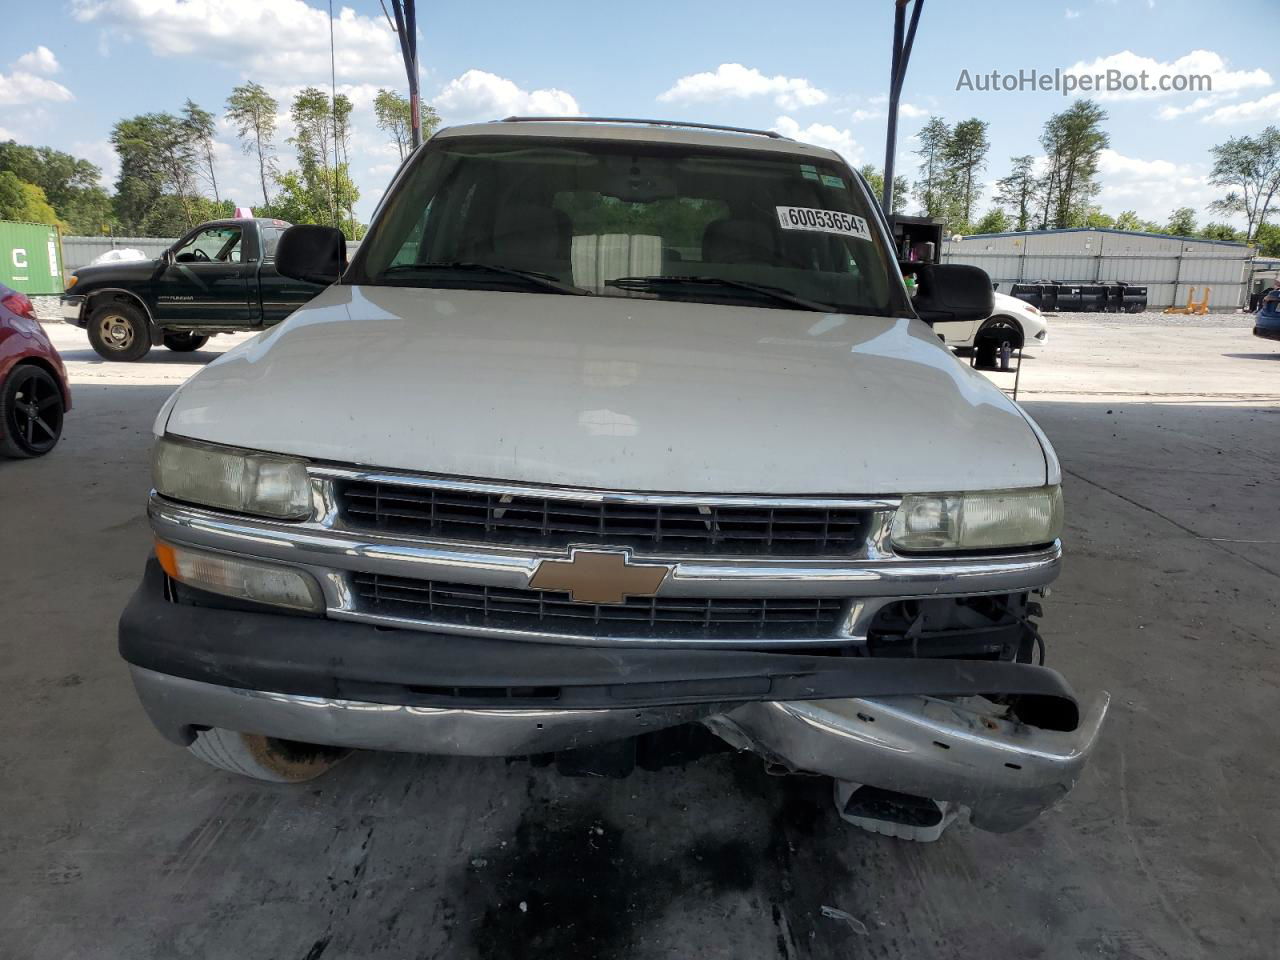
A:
(978, 521)
(72, 282)
(242, 579)
(231, 479)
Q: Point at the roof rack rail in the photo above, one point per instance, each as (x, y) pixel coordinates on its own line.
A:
(772, 134)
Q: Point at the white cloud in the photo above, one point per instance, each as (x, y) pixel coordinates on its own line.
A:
(6, 134)
(39, 60)
(272, 41)
(479, 95)
(1197, 105)
(1154, 188)
(101, 153)
(1262, 110)
(22, 87)
(1196, 63)
(734, 81)
(822, 135)
(911, 110)
(1072, 14)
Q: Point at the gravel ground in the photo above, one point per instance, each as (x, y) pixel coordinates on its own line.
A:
(47, 308)
(1151, 318)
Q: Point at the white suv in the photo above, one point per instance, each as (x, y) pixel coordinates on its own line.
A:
(611, 427)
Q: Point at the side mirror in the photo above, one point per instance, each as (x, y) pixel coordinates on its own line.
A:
(311, 253)
(952, 291)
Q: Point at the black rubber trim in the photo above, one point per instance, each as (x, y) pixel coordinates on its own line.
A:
(336, 659)
(1268, 332)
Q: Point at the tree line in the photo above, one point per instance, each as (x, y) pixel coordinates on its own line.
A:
(168, 180)
(1060, 192)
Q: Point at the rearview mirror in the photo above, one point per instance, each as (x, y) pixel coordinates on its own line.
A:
(311, 253)
(951, 291)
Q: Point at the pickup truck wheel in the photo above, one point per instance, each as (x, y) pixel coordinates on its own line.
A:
(118, 331)
(30, 412)
(184, 342)
(264, 758)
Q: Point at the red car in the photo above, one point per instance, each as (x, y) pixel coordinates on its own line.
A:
(33, 382)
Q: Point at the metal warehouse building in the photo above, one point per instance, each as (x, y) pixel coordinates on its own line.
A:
(1169, 266)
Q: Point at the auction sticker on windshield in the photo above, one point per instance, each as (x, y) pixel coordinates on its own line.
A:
(823, 221)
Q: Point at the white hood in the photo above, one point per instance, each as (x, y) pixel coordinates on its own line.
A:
(619, 393)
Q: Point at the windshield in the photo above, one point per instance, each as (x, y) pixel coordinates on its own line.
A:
(621, 219)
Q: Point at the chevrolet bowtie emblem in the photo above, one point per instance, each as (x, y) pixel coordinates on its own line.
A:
(599, 576)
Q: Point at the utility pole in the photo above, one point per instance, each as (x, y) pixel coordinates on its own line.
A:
(406, 28)
(897, 74)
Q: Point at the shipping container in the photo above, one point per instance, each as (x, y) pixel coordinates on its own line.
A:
(30, 258)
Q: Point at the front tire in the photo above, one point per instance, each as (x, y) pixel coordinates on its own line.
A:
(119, 331)
(995, 343)
(184, 342)
(264, 758)
(31, 409)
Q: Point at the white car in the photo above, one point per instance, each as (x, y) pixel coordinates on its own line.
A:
(611, 427)
(1013, 324)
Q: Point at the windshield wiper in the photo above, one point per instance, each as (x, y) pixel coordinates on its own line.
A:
(544, 280)
(776, 293)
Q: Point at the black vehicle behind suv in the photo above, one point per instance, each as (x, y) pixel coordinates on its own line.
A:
(221, 277)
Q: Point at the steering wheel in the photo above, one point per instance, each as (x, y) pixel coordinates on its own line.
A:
(199, 256)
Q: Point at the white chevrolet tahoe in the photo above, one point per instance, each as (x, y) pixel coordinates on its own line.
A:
(607, 428)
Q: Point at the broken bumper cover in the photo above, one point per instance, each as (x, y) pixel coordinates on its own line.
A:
(872, 720)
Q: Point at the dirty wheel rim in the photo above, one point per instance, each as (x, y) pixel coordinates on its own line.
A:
(116, 331)
(35, 413)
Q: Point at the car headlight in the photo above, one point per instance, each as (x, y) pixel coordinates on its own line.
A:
(984, 520)
(242, 579)
(229, 479)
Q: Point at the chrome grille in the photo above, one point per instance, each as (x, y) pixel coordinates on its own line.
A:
(552, 612)
(714, 529)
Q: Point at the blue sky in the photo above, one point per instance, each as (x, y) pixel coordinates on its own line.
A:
(68, 70)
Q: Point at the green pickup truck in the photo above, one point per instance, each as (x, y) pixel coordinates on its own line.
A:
(221, 277)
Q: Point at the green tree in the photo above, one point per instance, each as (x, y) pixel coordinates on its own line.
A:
(965, 156)
(200, 124)
(931, 188)
(875, 180)
(1095, 218)
(158, 157)
(1250, 168)
(1129, 220)
(253, 111)
(996, 221)
(1073, 141)
(393, 116)
(71, 185)
(20, 200)
(321, 189)
(1182, 222)
(1221, 231)
(1267, 239)
(1017, 192)
(321, 135)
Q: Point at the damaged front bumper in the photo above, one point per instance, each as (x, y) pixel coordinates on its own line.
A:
(923, 727)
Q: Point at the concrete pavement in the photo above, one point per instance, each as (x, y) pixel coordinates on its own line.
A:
(114, 844)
